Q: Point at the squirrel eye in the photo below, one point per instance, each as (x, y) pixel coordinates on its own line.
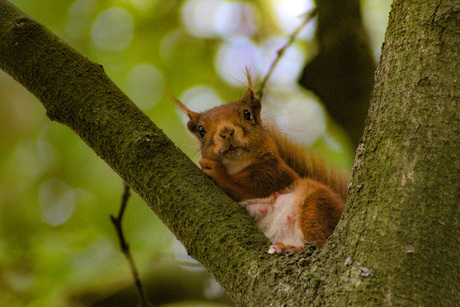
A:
(201, 131)
(247, 115)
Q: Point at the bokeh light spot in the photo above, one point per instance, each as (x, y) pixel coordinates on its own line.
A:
(198, 99)
(113, 29)
(78, 21)
(299, 115)
(285, 75)
(57, 202)
(232, 58)
(289, 16)
(211, 18)
(144, 85)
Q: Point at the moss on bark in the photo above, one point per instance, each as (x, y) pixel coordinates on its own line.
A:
(397, 243)
(402, 222)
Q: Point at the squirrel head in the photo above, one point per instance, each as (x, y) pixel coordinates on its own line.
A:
(230, 132)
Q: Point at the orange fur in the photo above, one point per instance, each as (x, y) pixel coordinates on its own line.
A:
(259, 167)
(310, 165)
(249, 182)
(320, 210)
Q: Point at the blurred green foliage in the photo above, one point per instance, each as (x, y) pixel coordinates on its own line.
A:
(56, 239)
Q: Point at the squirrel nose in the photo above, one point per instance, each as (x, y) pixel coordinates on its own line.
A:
(227, 132)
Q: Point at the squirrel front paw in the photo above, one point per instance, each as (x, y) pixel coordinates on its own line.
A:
(283, 249)
(213, 168)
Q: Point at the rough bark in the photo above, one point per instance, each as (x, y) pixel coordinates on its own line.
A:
(342, 73)
(398, 241)
(402, 225)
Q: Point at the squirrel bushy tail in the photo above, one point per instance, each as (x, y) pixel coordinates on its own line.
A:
(308, 164)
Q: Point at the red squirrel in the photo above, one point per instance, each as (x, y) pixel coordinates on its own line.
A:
(292, 196)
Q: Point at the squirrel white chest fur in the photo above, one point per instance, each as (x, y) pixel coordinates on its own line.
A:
(276, 216)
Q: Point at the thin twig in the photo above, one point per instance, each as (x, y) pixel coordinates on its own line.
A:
(124, 246)
(309, 16)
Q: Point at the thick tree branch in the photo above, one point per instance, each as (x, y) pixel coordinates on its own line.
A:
(397, 243)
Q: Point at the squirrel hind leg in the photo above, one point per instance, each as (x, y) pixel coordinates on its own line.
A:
(320, 211)
(283, 249)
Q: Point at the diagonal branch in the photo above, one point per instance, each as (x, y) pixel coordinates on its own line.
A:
(279, 54)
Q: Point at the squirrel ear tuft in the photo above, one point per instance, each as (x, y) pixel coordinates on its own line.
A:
(191, 115)
(249, 97)
(249, 77)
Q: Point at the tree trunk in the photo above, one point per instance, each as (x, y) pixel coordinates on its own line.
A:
(398, 241)
(401, 229)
